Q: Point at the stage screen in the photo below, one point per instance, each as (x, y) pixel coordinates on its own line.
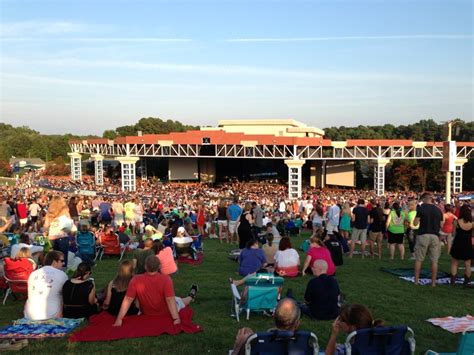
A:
(183, 169)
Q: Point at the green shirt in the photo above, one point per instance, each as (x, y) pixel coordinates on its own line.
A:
(397, 224)
(411, 218)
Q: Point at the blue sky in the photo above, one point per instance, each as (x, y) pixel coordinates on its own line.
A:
(83, 66)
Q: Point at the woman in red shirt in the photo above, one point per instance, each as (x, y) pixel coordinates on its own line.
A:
(448, 226)
(200, 220)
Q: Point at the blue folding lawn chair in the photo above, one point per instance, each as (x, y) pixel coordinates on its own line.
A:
(396, 340)
(280, 342)
(261, 294)
(465, 347)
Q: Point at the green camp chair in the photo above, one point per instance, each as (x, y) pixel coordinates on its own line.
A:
(262, 294)
(465, 347)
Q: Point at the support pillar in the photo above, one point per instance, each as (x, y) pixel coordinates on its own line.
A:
(294, 178)
(456, 177)
(143, 169)
(128, 164)
(76, 166)
(379, 176)
(98, 168)
(313, 180)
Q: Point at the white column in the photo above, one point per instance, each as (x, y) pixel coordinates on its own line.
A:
(379, 176)
(294, 178)
(98, 168)
(128, 172)
(456, 177)
(76, 169)
(144, 170)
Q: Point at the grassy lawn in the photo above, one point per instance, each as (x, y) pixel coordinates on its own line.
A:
(391, 299)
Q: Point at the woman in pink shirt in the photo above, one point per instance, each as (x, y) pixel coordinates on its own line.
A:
(448, 226)
(317, 250)
(165, 255)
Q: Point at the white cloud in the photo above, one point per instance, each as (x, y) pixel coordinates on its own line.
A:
(101, 39)
(352, 38)
(23, 29)
(237, 70)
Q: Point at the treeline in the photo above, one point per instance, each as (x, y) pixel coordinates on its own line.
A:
(424, 130)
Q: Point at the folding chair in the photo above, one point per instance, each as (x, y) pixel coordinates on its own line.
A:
(279, 342)
(396, 340)
(16, 276)
(110, 245)
(466, 344)
(262, 294)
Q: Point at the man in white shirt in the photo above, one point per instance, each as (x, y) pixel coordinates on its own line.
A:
(45, 287)
(333, 216)
(34, 210)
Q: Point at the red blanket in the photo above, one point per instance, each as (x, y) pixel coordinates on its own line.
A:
(100, 327)
(186, 260)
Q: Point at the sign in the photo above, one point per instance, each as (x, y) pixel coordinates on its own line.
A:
(87, 193)
(449, 156)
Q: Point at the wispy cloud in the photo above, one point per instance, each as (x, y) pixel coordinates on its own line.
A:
(353, 38)
(100, 39)
(38, 28)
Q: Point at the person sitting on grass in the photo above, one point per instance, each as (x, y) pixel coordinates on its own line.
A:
(155, 294)
(321, 295)
(45, 289)
(351, 318)
(286, 317)
(165, 254)
(184, 244)
(117, 288)
(79, 299)
(140, 255)
(287, 259)
(270, 249)
(318, 251)
(251, 259)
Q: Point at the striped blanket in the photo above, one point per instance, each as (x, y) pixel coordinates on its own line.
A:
(29, 329)
(453, 324)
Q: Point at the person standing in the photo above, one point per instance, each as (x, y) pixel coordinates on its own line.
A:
(462, 245)
(59, 225)
(233, 215)
(412, 231)
(333, 216)
(447, 229)
(429, 218)
(257, 214)
(396, 230)
(376, 229)
(222, 220)
(245, 227)
(360, 217)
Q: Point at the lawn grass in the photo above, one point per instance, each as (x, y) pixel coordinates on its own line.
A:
(389, 298)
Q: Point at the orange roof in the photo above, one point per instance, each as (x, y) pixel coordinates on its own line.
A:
(220, 137)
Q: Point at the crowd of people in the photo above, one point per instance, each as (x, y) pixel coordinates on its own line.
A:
(48, 227)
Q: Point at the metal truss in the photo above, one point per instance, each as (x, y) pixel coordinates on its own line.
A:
(269, 151)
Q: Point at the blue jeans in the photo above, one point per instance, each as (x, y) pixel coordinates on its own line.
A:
(62, 245)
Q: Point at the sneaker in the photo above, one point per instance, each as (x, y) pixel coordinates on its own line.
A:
(193, 291)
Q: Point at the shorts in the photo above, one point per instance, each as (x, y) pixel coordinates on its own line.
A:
(233, 226)
(222, 222)
(395, 238)
(34, 219)
(23, 221)
(427, 244)
(179, 303)
(359, 234)
(331, 229)
(375, 236)
(317, 225)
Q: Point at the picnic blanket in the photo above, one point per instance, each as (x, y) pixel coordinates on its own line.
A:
(52, 328)
(407, 274)
(186, 260)
(453, 324)
(101, 327)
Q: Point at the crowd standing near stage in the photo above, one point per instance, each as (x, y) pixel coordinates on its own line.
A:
(51, 224)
